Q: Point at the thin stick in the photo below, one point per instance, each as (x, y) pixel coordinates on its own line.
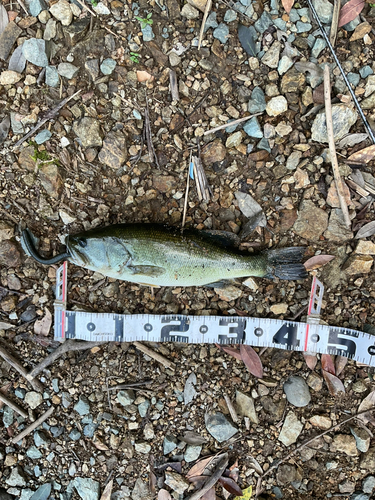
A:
(23, 6)
(213, 479)
(335, 22)
(332, 149)
(205, 15)
(34, 425)
(87, 8)
(355, 100)
(231, 408)
(229, 124)
(48, 117)
(129, 386)
(37, 386)
(155, 355)
(306, 443)
(68, 345)
(186, 193)
(173, 84)
(12, 405)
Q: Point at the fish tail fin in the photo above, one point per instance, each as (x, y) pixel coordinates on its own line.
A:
(285, 263)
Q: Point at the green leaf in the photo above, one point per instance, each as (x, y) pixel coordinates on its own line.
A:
(246, 494)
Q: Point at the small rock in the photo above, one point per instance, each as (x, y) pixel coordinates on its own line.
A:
(17, 62)
(287, 474)
(148, 431)
(285, 63)
(10, 255)
(234, 140)
(311, 222)
(75, 435)
(17, 477)
(214, 152)
(43, 136)
(175, 481)
(320, 421)
(297, 391)
(50, 30)
(343, 118)
(363, 248)
(293, 160)
(358, 264)
(51, 179)
(276, 106)
(345, 444)
(264, 22)
(102, 9)
(92, 67)
(87, 488)
(34, 51)
(315, 382)
(253, 129)
(230, 16)
(228, 293)
(67, 70)
(221, 33)
(169, 444)
(368, 460)
(9, 77)
(142, 448)
(362, 438)
(324, 8)
(34, 453)
(8, 417)
(33, 399)
(8, 38)
(189, 12)
(245, 406)
(113, 152)
(143, 408)
(219, 427)
(174, 59)
(52, 76)
(192, 453)
(36, 7)
(107, 67)
(257, 103)
(368, 484)
(82, 406)
(291, 429)
(62, 12)
(88, 131)
(164, 183)
(7, 231)
(271, 57)
(41, 440)
(279, 308)
(126, 397)
(337, 230)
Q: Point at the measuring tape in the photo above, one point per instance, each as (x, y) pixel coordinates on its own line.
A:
(308, 337)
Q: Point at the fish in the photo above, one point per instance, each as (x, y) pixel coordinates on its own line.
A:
(158, 255)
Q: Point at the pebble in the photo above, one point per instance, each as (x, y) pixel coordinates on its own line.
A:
(280, 308)
(284, 64)
(291, 429)
(358, 264)
(293, 160)
(263, 23)
(50, 30)
(230, 16)
(36, 7)
(101, 9)
(343, 118)
(8, 38)
(276, 106)
(189, 389)
(362, 438)
(297, 391)
(34, 51)
(126, 397)
(368, 460)
(228, 293)
(221, 33)
(82, 406)
(319, 45)
(143, 408)
(43, 136)
(17, 477)
(34, 453)
(311, 222)
(214, 152)
(41, 440)
(88, 131)
(219, 427)
(67, 70)
(9, 77)
(8, 416)
(17, 61)
(33, 399)
(344, 443)
(148, 431)
(20, 392)
(189, 12)
(192, 453)
(368, 484)
(366, 71)
(337, 230)
(271, 57)
(358, 495)
(114, 152)
(169, 444)
(142, 447)
(321, 421)
(245, 406)
(303, 27)
(257, 103)
(52, 76)
(175, 481)
(234, 140)
(108, 65)
(253, 129)
(62, 12)
(75, 435)
(211, 21)
(87, 488)
(9, 254)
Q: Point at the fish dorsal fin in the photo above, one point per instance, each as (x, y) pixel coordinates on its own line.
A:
(223, 238)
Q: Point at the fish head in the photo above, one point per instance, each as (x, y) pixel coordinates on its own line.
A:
(86, 251)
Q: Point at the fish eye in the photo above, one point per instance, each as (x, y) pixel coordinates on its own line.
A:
(82, 242)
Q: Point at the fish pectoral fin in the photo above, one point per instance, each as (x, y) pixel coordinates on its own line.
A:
(151, 271)
(221, 283)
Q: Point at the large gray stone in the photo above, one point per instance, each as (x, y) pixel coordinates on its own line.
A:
(297, 391)
(219, 426)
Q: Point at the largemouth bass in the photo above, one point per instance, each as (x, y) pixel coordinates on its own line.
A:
(157, 255)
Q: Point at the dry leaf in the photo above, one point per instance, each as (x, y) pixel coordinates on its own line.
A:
(43, 326)
(253, 462)
(317, 261)
(351, 140)
(288, 4)
(252, 360)
(106, 495)
(334, 384)
(152, 482)
(327, 363)
(234, 471)
(340, 363)
(318, 94)
(144, 76)
(99, 445)
(310, 359)
(232, 351)
(193, 438)
(164, 495)
(360, 31)
(350, 11)
(366, 230)
(210, 494)
(367, 403)
(230, 486)
(198, 468)
(363, 156)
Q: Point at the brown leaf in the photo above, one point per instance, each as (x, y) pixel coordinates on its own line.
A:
(334, 384)
(193, 438)
(252, 360)
(230, 350)
(209, 495)
(106, 495)
(318, 94)
(327, 363)
(363, 156)
(230, 486)
(367, 403)
(287, 4)
(310, 359)
(360, 31)
(152, 482)
(350, 11)
(317, 261)
(340, 363)
(164, 495)
(198, 468)
(43, 326)
(99, 445)
(366, 230)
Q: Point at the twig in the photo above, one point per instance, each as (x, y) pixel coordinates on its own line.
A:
(68, 345)
(229, 124)
(335, 22)
(173, 84)
(306, 443)
(48, 117)
(231, 408)
(203, 188)
(34, 425)
(212, 480)
(129, 386)
(155, 355)
(87, 8)
(23, 6)
(205, 15)
(37, 386)
(186, 193)
(332, 149)
(12, 405)
(147, 128)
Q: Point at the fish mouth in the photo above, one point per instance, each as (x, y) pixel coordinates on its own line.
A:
(72, 246)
